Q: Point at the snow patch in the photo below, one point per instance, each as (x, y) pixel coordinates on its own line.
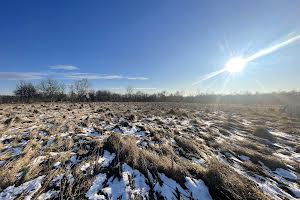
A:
(48, 195)
(92, 193)
(197, 188)
(244, 158)
(27, 189)
(168, 188)
(85, 166)
(106, 159)
(286, 174)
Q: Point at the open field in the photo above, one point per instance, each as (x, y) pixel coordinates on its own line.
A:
(148, 151)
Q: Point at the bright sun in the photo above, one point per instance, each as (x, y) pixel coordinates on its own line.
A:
(235, 65)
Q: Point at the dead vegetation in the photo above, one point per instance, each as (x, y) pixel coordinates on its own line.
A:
(221, 145)
(262, 132)
(225, 183)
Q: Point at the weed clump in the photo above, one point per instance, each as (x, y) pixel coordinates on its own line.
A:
(262, 132)
(297, 149)
(225, 183)
(145, 161)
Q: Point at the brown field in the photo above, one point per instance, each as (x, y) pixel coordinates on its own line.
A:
(148, 151)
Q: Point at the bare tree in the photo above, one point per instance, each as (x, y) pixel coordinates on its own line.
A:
(81, 88)
(25, 91)
(129, 90)
(51, 89)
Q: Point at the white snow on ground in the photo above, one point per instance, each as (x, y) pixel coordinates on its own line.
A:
(129, 130)
(116, 189)
(6, 137)
(2, 162)
(90, 132)
(48, 195)
(50, 141)
(92, 193)
(286, 173)
(244, 158)
(140, 186)
(296, 157)
(120, 188)
(197, 188)
(20, 175)
(57, 180)
(85, 166)
(57, 164)
(14, 151)
(198, 161)
(64, 134)
(283, 135)
(70, 178)
(106, 159)
(169, 187)
(27, 189)
(296, 191)
(269, 187)
(74, 159)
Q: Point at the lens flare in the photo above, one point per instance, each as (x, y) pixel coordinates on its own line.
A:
(271, 49)
(237, 64)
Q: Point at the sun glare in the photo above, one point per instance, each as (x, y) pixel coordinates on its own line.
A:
(235, 65)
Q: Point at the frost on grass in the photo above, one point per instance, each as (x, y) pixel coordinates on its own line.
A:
(27, 190)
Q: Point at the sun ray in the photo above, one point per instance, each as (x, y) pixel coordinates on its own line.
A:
(209, 76)
(271, 49)
(237, 64)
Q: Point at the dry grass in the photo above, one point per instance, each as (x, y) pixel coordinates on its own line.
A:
(262, 132)
(19, 164)
(256, 157)
(225, 183)
(207, 133)
(127, 151)
(297, 149)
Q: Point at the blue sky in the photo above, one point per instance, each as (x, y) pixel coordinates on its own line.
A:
(150, 45)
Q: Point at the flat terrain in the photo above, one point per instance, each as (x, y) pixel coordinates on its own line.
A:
(148, 151)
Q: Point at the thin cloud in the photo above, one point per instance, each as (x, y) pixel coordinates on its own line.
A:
(137, 78)
(64, 67)
(59, 75)
(92, 76)
(21, 75)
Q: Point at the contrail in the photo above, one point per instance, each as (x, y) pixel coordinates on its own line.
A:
(258, 54)
(276, 47)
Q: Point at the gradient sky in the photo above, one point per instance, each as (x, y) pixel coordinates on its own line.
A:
(150, 45)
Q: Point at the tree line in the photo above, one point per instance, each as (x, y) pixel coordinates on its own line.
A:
(50, 90)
